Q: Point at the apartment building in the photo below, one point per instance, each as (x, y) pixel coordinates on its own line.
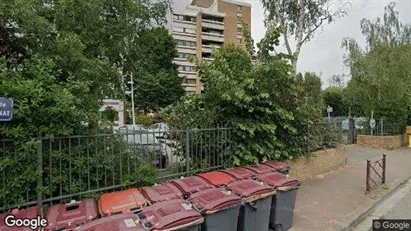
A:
(200, 25)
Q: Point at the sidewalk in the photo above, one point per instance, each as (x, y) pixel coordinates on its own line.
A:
(325, 204)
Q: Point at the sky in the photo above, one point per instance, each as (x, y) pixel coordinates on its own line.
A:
(323, 54)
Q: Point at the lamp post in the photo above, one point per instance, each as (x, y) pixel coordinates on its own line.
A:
(132, 98)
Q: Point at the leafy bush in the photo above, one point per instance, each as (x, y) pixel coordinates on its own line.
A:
(324, 135)
(257, 102)
(72, 165)
(144, 120)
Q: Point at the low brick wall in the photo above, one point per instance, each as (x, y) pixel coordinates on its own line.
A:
(385, 142)
(321, 162)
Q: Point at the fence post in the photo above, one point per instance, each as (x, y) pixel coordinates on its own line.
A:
(367, 183)
(382, 126)
(187, 152)
(384, 162)
(40, 169)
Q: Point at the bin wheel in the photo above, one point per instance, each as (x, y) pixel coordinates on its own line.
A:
(279, 227)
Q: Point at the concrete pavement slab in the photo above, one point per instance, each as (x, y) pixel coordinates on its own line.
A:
(331, 202)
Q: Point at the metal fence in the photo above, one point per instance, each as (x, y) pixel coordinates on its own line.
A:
(48, 170)
(383, 127)
(43, 171)
(376, 173)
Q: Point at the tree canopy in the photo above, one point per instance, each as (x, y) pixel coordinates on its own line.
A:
(61, 58)
(379, 72)
(299, 20)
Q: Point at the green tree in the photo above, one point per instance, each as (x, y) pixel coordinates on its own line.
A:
(59, 59)
(299, 20)
(334, 97)
(311, 99)
(241, 95)
(157, 83)
(379, 71)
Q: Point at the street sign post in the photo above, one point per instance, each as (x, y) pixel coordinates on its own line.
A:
(6, 109)
(372, 123)
(329, 110)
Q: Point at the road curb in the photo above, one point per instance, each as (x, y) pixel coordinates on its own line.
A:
(360, 216)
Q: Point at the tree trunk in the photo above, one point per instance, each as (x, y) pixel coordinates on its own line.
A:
(294, 68)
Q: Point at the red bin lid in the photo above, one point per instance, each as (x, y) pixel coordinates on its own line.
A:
(260, 169)
(240, 173)
(174, 214)
(68, 216)
(191, 184)
(277, 165)
(31, 212)
(162, 192)
(276, 180)
(121, 202)
(213, 200)
(118, 222)
(217, 179)
(249, 188)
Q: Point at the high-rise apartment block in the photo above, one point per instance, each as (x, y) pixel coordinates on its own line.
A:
(200, 25)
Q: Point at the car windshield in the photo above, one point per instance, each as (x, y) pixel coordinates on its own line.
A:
(155, 126)
(131, 129)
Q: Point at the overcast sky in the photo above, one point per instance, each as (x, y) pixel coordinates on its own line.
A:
(323, 54)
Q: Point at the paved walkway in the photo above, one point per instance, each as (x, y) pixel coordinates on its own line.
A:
(324, 203)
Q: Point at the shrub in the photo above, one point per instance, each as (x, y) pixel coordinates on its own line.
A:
(72, 165)
(144, 120)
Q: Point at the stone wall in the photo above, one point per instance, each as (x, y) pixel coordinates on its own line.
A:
(385, 142)
(320, 162)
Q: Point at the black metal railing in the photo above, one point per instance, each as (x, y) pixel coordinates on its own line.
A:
(376, 173)
(43, 171)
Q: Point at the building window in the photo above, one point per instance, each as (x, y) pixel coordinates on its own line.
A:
(184, 18)
(239, 41)
(186, 68)
(186, 43)
(190, 81)
(239, 30)
(239, 9)
(184, 55)
(184, 30)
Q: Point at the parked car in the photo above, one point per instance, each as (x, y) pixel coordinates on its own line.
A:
(358, 124)
(138, 138)
(159, 129)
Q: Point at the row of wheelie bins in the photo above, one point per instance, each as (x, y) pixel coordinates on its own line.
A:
(249, 198)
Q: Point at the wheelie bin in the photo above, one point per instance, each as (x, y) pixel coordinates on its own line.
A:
(130, 200)
(162, 192)
(240, 173)
(257, 199)
(219, 207)
(281, 167)
(69, 216)
(119, 222)
(176, 214)
(283, 203)
(216, 178)
(28, 213)
(190, 185)
(260, 169)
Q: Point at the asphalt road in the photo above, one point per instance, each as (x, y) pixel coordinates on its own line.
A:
(402, 210)
(397, 206)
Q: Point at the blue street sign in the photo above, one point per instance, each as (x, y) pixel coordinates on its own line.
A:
(6, 109)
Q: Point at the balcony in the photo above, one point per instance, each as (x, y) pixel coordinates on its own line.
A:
(212, 37)
(209, 48)
(213, 24)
